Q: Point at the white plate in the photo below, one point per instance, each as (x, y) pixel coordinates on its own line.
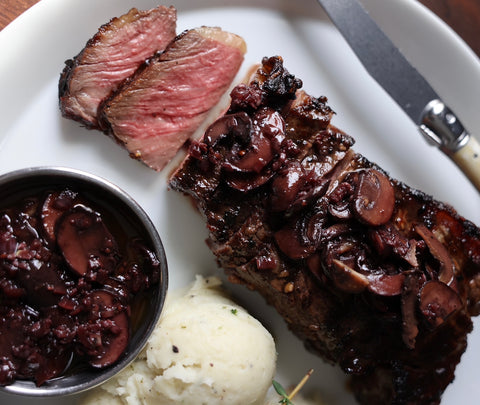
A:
(32, 132)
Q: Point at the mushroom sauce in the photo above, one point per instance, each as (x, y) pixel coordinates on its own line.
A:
(72, 272)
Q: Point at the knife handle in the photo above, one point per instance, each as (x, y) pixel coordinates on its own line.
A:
(467, 159)
(441, 127)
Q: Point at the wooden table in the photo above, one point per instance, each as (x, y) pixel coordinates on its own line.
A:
(462, 15)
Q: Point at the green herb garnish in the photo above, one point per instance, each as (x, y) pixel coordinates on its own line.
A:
(234, 311)
(281, 391)
(287, 398)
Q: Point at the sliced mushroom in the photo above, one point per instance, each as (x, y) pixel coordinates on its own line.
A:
(340, 211)
(54, 206)
(238, 124)
(438, 301)
(412, 283)
(272, 125)
(85, 242)
(286, 185)
(290, 243)
(386, 284)
(315, 226)
(411, 255)
(294, 241)
(244, 146)
(346, 278)
(339, 201)
(245, 182)
(446, 272)
(110, 342)
(374, 198)
(314, 265)
(388, 240)
(42, 282)
(336, 230)
(249, 158)
(341, 169)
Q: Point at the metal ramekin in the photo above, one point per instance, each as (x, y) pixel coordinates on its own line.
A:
(18, 181)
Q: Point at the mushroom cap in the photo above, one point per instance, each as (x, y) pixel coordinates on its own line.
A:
(374, 197)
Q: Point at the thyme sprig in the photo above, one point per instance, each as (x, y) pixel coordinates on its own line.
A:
(287, 398)
(281, 391)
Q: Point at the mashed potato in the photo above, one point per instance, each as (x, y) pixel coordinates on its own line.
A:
(205, 350)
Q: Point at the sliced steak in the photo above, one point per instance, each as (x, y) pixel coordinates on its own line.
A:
(112, 55)
(155, 112)
(372, 275)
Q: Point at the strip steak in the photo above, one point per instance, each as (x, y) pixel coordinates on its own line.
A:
(372, 275)
(162, 105)
(112, 55)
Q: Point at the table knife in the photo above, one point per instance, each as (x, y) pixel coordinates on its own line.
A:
(388, 66)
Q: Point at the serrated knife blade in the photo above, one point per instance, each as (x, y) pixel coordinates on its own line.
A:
(412, 92)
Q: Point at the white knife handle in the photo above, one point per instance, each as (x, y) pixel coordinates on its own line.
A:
(467, 159)
(441, 127)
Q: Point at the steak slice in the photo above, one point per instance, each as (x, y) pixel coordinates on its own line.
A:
(112, 55)
(158, 109)
(372, 275)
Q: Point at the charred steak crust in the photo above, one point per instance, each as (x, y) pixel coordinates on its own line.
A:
(371, 274)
